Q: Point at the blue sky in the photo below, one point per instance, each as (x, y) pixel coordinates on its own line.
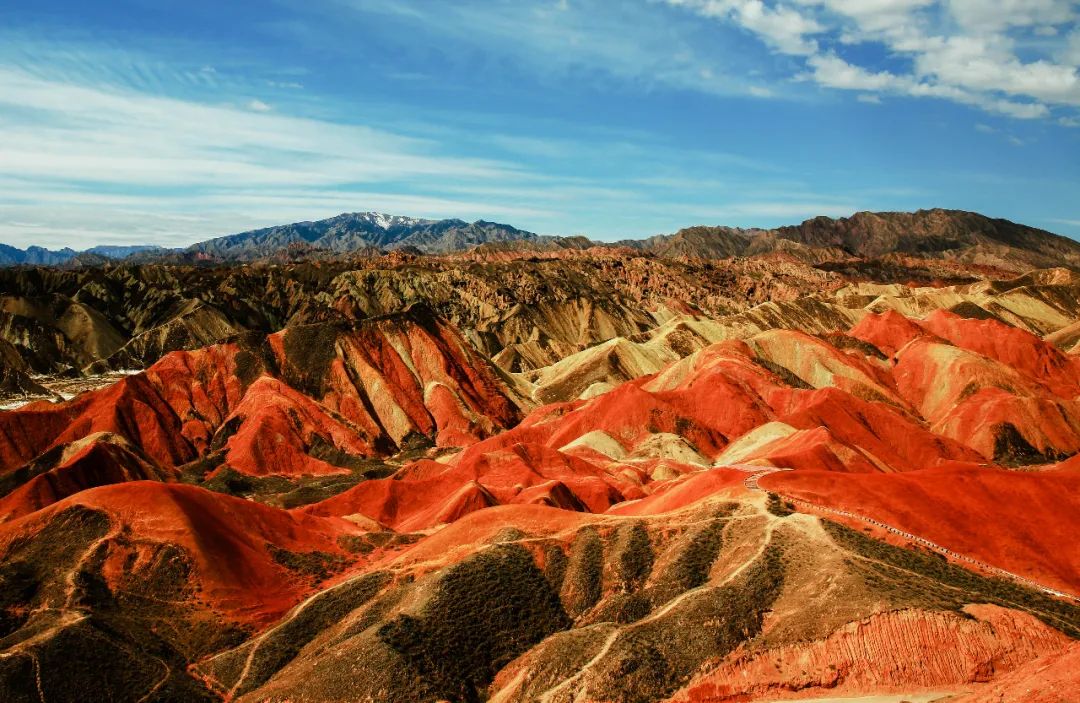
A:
(154, 121)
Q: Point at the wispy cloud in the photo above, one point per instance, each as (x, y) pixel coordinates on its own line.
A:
(103, 156)
(1015, 58)
(101, 134)
(101, 163)
(107, 162)
(591, 41)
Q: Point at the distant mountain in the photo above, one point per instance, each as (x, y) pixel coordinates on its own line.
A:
(358, 232)
(33, 256)
(936, 233)
(869, 234)
(698, 242)
(40, 256)
(948, 235)
(121, 252)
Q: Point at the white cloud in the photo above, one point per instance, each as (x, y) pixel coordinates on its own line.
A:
(1010, 138)
(102, 134)
(780, 26)
(84, 161)
(69, 148)
(869, 99)
(833, 72)
(1071, 53)
(621, 42)
(872, 15)
(959, 50)
(983, 65)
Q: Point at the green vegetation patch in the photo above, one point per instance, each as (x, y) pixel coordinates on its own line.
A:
(231, 482)
(634, 558)
(583, 584)
(778, 506)
(650, 661)
(316, 565)
(371, 541)
(281, 645)
(253, 358)
(1011, 449)
(786, 375)
(691, 566)
(844, 342)
(138, 636)
(555, 564)
(309, 351)
(485, 612)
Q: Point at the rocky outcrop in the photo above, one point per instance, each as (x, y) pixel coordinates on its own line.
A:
(892, 651)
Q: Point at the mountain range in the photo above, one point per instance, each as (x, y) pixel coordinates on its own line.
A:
(360, 232)
(40, 256)
(947, 234)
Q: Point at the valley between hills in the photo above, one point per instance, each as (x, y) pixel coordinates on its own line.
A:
(385, 459)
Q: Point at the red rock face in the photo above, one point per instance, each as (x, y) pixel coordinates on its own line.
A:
(890, 331)
(989, 406)
(168, 412)
(706, 402)
(275, 426)
(96, 460)
(923, 651)
(423, 495)
(1018, 349)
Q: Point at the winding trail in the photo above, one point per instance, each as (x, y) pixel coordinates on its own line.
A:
(766, 538)
(755, 474)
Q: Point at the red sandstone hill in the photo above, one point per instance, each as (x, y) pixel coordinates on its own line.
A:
(309, 401)
(605, 450)
(233, 543)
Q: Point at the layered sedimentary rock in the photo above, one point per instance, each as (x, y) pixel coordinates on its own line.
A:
(868, 489)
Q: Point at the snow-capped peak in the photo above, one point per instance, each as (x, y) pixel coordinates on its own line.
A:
(384, 221)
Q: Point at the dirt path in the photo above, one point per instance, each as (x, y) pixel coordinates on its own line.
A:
(766, 538)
